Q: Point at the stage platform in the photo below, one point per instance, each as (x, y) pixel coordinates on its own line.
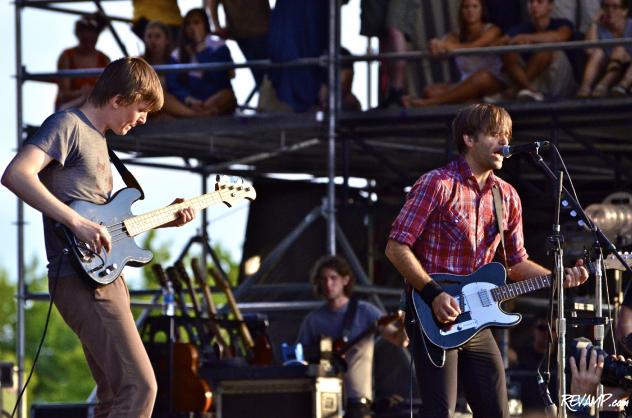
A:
(389, 146)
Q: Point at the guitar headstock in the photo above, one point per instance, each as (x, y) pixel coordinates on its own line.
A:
(612, 262)
(233, 189)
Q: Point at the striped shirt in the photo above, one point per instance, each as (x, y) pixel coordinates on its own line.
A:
(450, 223)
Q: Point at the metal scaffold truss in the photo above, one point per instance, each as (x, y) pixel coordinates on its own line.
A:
(387, 147)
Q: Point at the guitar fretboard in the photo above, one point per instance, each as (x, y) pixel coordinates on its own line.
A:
(510, 291)
(138, 224)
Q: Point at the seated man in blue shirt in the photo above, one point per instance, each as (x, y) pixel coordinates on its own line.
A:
(333, 280)
(540, 73)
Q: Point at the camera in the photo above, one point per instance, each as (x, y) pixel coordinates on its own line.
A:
(616, 373)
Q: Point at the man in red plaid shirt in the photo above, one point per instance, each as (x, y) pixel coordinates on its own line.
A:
(448, 225)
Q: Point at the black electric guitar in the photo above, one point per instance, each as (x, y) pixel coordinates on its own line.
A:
(103, 268)
(479, 296)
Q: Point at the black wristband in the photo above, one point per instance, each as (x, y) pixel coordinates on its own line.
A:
(430, 291)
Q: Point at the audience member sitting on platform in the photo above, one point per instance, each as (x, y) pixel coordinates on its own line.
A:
(612, 22)
(580, 12)
(540, 73)
(393, 22)
(348, 101)
(166, 11)
(73, 92)
(298, 29)
(203, 91)
(247, 23)
(158, 47)
(480, 74)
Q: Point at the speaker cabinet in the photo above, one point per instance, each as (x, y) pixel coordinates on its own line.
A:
(6, 374)
(317, 397)
(53, 410)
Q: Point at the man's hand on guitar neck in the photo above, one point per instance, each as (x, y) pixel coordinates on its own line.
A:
(527, 269)
(185, 215)
(575, 276)
(445, 308)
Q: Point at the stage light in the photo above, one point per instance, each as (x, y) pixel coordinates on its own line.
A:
(252, 265)
(614, 217)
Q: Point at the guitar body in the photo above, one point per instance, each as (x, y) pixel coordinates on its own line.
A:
(117, 217)
(190, 392)
(478, 308)
(106, 267)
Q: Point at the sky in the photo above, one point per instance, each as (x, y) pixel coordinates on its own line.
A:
(44, 35)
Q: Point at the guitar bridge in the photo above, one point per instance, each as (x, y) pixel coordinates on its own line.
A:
(109, 269)
(463, 321)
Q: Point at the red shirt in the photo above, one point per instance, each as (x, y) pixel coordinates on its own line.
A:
(450, 223)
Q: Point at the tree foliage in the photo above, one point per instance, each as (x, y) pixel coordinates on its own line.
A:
(61, 373)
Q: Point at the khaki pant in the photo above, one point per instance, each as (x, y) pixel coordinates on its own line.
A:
(102, 319)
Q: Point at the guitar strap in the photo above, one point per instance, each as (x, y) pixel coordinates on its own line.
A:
(347, 322)
(498, 209)
(128, 178)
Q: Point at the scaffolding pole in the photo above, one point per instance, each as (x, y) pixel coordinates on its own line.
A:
(332, 67)
(21, 325)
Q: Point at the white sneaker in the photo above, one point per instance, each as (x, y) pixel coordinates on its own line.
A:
(493, 98)
(526, 95)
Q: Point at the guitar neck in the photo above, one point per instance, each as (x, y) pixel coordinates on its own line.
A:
(510, 291)
(371, 329)
(349, 344)
(153, 219)
(232, 304)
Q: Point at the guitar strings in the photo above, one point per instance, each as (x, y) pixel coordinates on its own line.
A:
(117, 231)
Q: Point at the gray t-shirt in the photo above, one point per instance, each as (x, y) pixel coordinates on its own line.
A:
(80, 170)
(358, 379)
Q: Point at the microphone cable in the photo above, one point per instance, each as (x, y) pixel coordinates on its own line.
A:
(43, 337)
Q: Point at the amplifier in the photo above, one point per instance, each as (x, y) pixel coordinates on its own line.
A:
(315, 397)
(6, 374)
(61, 410)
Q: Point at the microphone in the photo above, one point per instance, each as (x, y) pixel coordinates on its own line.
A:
(507, 150)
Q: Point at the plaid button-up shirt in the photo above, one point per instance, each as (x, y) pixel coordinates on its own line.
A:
(450, 223)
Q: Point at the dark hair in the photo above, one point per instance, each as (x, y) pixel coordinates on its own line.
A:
(95, 22)
(484, 18)
(131, 78)
(185, 42)
(480, 118)
(333, 262)
(625, 4)
(167, 32)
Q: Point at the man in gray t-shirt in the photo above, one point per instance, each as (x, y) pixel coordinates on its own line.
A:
(333, 280)
(80, 170)
(66, 160)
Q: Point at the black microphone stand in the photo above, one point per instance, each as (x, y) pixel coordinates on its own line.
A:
(600, 239)
(557, 240)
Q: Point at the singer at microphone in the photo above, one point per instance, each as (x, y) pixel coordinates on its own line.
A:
(509, 150)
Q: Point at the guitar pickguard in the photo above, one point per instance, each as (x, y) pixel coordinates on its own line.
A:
(479, 309)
